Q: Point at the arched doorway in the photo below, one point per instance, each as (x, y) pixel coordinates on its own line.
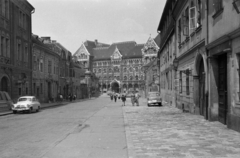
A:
(115, 87)
(201, 88)
(4, 84)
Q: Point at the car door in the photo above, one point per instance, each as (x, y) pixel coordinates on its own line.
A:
(34, 103)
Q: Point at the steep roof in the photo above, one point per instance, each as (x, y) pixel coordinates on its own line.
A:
(128, 49)
(157, 39)
(135, 52)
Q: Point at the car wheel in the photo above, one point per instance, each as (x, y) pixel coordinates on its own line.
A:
(30, 110)
(38, 109)
(14, 111)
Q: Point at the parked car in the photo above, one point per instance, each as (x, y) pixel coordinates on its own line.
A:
(154, 98)
(26, 103)
(6, 102)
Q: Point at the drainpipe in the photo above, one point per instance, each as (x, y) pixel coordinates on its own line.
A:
(207, 77)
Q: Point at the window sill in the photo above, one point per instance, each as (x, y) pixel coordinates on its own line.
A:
(198, 29)
(237, 105)
(192, 34)
(219, 12)
(187, 39)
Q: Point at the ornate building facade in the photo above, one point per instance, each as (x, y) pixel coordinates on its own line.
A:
(118, 66)
(151, 64)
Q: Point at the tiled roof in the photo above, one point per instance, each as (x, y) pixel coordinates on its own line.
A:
(157, 40)
(128, 49)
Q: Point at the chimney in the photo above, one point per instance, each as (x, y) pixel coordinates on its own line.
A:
(46, 39)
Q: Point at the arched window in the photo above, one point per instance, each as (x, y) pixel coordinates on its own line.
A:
(125, 69)
(130, 69)
(125, 78)
(136, 69)
(136, 77)
(99, 70)
(104, 70)
(130, 78)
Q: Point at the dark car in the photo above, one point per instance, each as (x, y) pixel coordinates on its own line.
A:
(6, 102)
(154, 98)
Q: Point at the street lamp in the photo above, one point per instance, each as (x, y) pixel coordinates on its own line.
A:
(87, 76)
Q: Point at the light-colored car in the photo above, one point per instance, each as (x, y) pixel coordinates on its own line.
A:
(26, 103)
(154, 98)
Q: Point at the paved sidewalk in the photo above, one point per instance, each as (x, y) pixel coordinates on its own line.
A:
(46, 105)
(167, 132)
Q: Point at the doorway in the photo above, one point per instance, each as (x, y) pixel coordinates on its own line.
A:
(115, 87)
(4, 84)
(202, 106)
(222, 88)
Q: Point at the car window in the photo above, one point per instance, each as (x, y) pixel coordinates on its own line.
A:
(153, 94)
(24, 99)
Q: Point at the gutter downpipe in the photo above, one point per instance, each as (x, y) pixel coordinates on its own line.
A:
(207, 77)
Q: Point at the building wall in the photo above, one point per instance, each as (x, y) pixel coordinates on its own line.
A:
(15, 46)
(224, 38)
(127, 78)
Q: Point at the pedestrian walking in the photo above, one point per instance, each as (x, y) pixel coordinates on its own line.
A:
(137, 96)
(115, 97)
(123, 99)
(133, 98)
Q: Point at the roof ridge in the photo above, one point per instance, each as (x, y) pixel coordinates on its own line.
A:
(101, 48)
(124, 42)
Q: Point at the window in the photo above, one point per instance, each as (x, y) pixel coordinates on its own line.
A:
(136, 77)
(180, 82)
(34, 62)
(130, 78)
(99, 70)
(218, 5)
(26, 54)
(179, 30)
(186, 22)
(49, 66)
(193, 18)
(8, 47)
(6, 9)
(19, 91)
(199, 10)
(41, 65)
(125, 78)
(19, 52)
(2, 39)
(41, 88)
(187, 82)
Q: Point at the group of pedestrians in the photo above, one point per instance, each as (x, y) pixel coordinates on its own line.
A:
(134, 97)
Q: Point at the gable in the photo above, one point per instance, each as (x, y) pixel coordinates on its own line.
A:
(150, 47)
(82, 53)
(116, 54)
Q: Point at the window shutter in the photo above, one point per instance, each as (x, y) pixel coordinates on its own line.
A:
(192, 18)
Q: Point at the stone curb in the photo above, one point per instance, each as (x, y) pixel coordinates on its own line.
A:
(130, 146)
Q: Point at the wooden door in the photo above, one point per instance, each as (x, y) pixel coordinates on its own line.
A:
(203, 110)
(222, 88)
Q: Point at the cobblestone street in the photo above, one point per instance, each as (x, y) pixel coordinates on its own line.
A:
(168, 132)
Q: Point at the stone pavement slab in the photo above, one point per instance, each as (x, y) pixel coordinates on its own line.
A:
(168, 132)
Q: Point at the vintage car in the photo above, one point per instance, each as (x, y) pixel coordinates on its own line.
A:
(6, 102)
(26, 103)
(154, 98)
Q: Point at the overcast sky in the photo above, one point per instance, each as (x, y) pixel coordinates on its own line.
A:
(72, 22)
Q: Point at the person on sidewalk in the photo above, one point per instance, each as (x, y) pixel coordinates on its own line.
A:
(137, 96)
(133, 98)
(123, 99)
(115, 97)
